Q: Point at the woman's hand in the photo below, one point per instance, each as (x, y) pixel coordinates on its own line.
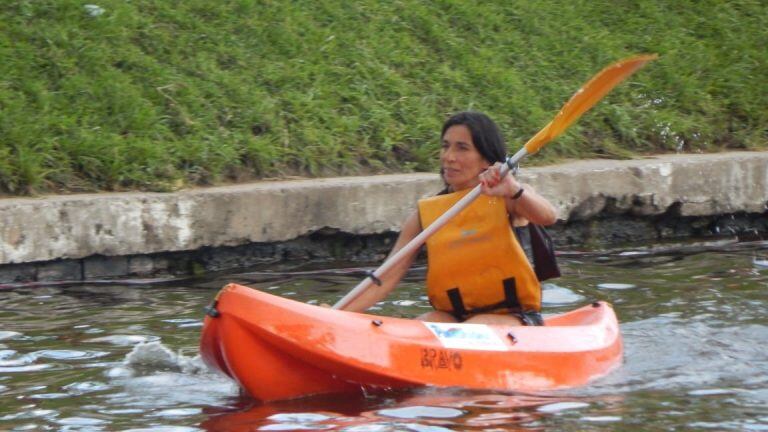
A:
(494, 185)
(524, 207)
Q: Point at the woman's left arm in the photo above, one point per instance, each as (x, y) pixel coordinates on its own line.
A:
(532, 206)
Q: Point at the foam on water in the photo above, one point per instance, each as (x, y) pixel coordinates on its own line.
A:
(154, 356)
(155, 376)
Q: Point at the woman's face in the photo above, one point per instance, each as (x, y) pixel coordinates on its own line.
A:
(460, 160)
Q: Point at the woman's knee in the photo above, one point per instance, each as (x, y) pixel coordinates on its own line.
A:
(495, 319)
(437, 316)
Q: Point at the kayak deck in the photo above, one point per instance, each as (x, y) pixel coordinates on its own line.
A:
(277, 348)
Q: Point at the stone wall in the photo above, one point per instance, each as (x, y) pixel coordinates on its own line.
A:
(600, 202)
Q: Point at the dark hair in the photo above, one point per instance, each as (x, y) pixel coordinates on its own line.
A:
(485, 134)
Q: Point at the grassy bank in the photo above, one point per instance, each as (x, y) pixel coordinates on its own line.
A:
(156, 95)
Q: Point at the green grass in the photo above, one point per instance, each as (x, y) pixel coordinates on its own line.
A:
(157, 95)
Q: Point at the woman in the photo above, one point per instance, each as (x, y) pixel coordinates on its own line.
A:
(477, 271)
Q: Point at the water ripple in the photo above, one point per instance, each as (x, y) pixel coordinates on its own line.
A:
(616, 286)
(81, 421)
(553, 294)
(124, 340)
(6, 334)
(414, 412)
(79, 388)
(561, 406)
(69, 354)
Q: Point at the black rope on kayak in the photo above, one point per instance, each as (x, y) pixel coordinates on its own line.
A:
(373, 277)
(512, 338)
(211, 310)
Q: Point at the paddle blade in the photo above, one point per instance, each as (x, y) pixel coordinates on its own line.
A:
(586, 97)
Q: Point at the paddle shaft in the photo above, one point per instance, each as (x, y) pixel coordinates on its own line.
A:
(420, 239)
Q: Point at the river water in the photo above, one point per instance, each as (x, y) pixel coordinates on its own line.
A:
(123, 356)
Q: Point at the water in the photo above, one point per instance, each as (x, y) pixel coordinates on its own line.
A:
(124, 357)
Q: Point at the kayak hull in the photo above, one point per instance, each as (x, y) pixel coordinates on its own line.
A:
(277, 348)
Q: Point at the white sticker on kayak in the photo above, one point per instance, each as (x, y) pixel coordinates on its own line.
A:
(467, 336)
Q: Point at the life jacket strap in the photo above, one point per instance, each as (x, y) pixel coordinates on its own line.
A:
(457, 304)
(510, 293)
(510, 301)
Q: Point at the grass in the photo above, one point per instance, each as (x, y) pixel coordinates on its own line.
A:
(159, 95)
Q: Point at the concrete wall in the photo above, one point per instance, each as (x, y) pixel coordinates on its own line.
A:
(133, 224)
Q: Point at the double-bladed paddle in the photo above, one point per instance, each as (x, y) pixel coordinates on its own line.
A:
(584, 99)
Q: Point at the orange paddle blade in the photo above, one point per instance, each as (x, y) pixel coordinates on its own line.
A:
(586, 97)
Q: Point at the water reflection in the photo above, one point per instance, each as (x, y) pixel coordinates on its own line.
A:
(423, 409)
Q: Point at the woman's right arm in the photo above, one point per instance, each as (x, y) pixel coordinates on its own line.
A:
(375, 293)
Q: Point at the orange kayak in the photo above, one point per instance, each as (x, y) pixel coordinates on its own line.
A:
(277, 348)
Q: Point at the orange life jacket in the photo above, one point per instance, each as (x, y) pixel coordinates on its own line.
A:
(475, 263)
